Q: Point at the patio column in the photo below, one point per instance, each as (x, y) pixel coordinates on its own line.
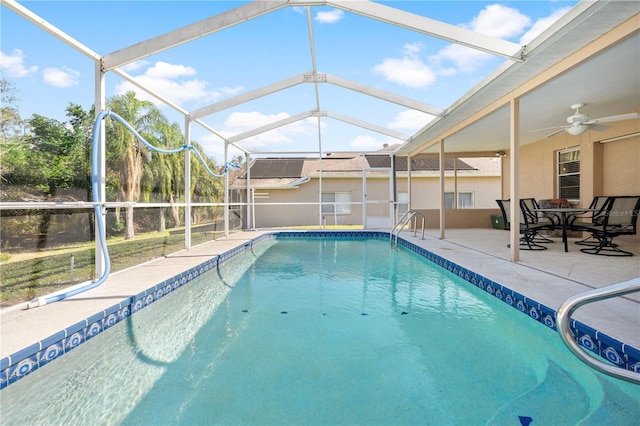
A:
(514, 185)
(442, 209)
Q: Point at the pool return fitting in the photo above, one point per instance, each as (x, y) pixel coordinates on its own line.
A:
(101, 210)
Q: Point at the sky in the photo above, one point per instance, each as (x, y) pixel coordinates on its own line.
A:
(49, 75)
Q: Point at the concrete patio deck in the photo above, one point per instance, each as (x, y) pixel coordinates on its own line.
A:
(549, 277)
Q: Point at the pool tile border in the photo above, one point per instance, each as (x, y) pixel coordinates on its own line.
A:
(27, 360)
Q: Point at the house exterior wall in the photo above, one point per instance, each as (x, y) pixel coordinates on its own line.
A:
(611, 168)
(304, 209)
(425, 191)
(605, 168)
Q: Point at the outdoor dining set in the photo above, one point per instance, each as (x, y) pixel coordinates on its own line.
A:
(606, 217)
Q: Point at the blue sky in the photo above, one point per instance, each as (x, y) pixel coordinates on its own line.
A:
(49, 75)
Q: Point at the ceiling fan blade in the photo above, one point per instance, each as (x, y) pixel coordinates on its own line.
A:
(556, 132)
(550, 128)
(598, 127)
(622, 117)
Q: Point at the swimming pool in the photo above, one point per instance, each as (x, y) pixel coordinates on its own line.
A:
(377, 336)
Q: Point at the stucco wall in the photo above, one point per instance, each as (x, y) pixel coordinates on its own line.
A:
(611, 168)
(425, 194)
(606, 168)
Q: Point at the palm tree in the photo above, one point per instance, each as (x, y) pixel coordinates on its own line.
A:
(165, 173)
(128, 154)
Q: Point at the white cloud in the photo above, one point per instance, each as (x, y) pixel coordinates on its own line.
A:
(500, 21)
(12, 65)
(173, 82)
(163, 69)
(494, 20)
(409, 70)
(542, 24)
(464, 59)
(134, 66)
(60, 77)
(329, 17)
(410, 120)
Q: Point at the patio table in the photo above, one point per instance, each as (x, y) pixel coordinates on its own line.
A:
(564, 213)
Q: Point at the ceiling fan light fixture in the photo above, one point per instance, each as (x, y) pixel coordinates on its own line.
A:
(577, 118)
(577, 129)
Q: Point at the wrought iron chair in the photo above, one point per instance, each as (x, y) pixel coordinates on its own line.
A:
(595, 218)
(620, 217)
(538, 221)
(527, 229)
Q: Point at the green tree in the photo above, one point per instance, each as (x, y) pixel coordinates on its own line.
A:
(13, 149)
(127, 153)
(163, 177)
(204, 186)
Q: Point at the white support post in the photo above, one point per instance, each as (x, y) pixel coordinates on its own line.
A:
(442, 208)
(100, 105)
(187, 184)
(364, 193)
(392, 190)
(455, 183)
(514, 184)
(409, 204)
(251, 209)
(226, 191)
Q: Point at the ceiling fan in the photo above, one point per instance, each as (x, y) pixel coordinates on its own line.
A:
(580, 123)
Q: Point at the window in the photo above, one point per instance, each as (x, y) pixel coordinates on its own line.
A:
(336, 202)
(403, 203)
(465, 200)
(569, 174)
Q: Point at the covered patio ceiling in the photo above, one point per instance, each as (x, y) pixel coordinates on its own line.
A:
(565, 66)
(561, 67)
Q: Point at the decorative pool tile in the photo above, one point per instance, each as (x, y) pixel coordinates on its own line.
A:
(585, 336)
(633, 358)
(548, 317)
(27, 360)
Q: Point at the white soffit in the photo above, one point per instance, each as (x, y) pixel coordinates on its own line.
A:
(585, 23)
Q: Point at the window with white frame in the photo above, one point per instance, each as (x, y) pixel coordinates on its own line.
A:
(403, 203)
(465, 200)
(336, 202)
(569, 174)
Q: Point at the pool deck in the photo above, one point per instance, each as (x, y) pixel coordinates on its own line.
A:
(549, 277)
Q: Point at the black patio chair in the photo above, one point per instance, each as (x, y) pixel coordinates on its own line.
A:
(593, 218)
(538, 220)
(527, 229)
(620, 217)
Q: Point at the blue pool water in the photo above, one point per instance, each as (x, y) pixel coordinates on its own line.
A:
(323, 331)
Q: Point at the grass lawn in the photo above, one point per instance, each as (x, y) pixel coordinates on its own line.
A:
(29, 275)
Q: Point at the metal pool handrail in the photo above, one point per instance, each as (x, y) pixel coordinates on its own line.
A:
(408, 215)
(564, 329)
